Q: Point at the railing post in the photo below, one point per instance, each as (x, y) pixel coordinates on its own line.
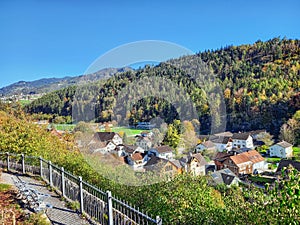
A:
(81, 195)
(109, 208)
(63, 182)
(50, 174)
(7, 159)
(158, 220)
(23, 163)
(41, 166)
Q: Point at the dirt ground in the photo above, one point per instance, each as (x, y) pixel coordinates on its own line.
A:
(9, 209)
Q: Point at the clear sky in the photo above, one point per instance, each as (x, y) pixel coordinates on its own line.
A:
(62, 37)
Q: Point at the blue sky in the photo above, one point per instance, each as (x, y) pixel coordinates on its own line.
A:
(62, 38)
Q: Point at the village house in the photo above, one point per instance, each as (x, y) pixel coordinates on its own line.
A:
(136, 160)
(222, 143)
(246, 163)
(220, 158)
(163, 167)
(163, 151)
(128, 150)
(105, 142)
(206, 145)
(282, 149)
(196, 164)
(224, 176)
(242, 140)
(102, 147)
(255, 133)
(144, 142)
(180, 166)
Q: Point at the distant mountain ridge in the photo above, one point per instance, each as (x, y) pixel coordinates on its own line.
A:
(46, 85)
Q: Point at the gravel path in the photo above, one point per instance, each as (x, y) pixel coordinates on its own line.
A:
(59, 214)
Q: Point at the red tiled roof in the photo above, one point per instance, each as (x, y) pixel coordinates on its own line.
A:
(137, 156)
(250, 156)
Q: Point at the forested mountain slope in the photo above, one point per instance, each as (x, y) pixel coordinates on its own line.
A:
(46, 85)
(260, 84)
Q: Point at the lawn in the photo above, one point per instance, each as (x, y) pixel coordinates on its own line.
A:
(129, 132)
(273, 160)
(261, 179)
(296, 151)
(24, 102)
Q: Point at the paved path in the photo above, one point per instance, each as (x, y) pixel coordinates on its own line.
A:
(59, 214)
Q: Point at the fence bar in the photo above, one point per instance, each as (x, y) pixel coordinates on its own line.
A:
(50, 174)
(158, 220)
(23, 163)
(109, 208)
(81, 195)
(63, 191)
(7, 159)
(41, 166)
(96, 203)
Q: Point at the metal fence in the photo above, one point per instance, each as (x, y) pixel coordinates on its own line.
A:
(100, 206)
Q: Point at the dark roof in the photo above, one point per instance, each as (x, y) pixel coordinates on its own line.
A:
(176, 163)
(227, 179)
(130, 148)
(208, 144)
(220, 139)
(224, 134)
(285, 163)
(221, 156)
(142, 138)
(240, 136)
(105, 136)
(225, 176)
(155, 163)
(163, 149)
(284, 144)
(254, 132)
(183, 160)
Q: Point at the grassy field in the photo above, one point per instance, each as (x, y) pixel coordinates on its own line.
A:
(273, 160)
(261, 179)
(24, 102)
(296, 151)
(129, 132)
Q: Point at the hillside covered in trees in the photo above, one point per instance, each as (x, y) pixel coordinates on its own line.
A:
(46, 85)
(184, 200)
(260, 84)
